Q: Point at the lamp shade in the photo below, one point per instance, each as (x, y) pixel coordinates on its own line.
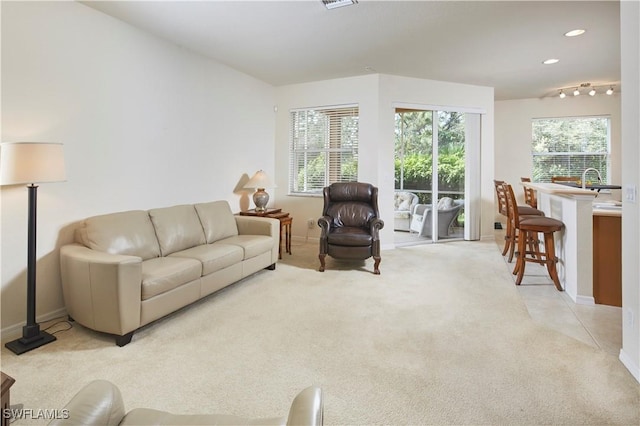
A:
(31, 162)
(260, 180)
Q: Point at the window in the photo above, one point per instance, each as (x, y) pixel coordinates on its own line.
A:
(324, 148)
(567, 146)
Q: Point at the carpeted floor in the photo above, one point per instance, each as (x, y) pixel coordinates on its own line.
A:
(440, 337)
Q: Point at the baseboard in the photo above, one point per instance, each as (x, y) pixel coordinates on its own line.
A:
(15, 331)
(627, 361)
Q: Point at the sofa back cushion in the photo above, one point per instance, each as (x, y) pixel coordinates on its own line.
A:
(128, 233)
(177, 228)
(217, 220)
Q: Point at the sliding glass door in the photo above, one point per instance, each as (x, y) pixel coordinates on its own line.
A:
(431, 162)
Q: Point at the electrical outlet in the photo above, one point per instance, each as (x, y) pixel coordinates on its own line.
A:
(629, 317)
(630, 193)
(310, 223)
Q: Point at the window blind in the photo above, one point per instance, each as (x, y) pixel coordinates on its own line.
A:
(568, 146)
(323, 148)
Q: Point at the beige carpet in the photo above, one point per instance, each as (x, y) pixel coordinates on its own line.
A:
(441, 337)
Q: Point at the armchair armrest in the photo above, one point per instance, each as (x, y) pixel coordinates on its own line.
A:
(375, 226)
(420, 209)
(102, 291)
(307, 408)
(98, 403)
(325, 224)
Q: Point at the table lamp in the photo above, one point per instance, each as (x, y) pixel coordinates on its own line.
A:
(31, 163)
(260, 181)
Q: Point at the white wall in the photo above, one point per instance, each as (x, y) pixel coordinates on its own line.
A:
(377, 95)
(630, 52)
(144, 124)
(513, 132)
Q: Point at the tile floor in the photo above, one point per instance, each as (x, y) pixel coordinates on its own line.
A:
(596, 325)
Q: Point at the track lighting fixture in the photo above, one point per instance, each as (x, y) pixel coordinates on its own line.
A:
(586, 88)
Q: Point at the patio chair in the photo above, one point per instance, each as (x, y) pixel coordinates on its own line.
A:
(448, 211)
(403, 204)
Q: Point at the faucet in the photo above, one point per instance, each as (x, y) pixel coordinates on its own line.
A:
(584, 183)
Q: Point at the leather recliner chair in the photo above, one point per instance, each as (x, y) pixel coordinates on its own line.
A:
(100, 403)
(350, 223)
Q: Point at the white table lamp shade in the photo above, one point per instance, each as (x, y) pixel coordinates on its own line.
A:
(260, 180)
(31, 162)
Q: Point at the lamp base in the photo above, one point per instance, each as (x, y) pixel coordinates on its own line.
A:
(260, 199)
(22, 345)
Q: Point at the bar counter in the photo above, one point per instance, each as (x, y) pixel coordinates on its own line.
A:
(574, 244)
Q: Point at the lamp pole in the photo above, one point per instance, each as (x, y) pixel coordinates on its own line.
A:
(32, 337)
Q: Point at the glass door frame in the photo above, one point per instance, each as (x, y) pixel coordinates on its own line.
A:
(472, 205)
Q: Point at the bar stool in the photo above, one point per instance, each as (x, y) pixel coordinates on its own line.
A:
(511, 234)
(528, 228)
(529, 194)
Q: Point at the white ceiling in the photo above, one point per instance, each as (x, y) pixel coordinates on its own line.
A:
(500, 44)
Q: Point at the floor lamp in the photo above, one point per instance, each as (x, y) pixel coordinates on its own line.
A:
(31, 163)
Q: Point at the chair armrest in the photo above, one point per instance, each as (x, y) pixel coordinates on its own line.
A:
(307, 408)
(101, 291)
(420, 209)
(325, 224)
(98, 403)
(375, 226)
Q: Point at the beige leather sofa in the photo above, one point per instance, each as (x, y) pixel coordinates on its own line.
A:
(100, 403)
(128, 269)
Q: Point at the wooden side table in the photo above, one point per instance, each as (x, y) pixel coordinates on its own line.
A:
(7, 382)
(286, 222)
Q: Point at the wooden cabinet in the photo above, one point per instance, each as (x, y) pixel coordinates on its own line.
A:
(607, 259)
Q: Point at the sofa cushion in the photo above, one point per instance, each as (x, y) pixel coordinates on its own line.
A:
(217, 220)
(127, 233)
(178, 228)
(252, 245)
(162, 274)
(214, 256)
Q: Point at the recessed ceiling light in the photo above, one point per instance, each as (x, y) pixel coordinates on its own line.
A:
(551, 61)
(574, 33)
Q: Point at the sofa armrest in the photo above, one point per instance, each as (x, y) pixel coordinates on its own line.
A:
(307, 408)
(252, 225)
(98, 403)
(102, 291)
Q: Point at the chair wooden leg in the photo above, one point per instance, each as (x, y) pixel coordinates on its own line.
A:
(376, 264)
(507, 239)
(321, 257)
(551, 260)
(522, 253)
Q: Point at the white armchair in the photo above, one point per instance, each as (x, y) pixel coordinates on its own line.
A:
(403, 205)
(448, 210)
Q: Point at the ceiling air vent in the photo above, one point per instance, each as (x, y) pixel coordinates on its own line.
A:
(333, 4)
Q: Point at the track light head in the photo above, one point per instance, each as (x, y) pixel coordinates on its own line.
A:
(610, 91)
